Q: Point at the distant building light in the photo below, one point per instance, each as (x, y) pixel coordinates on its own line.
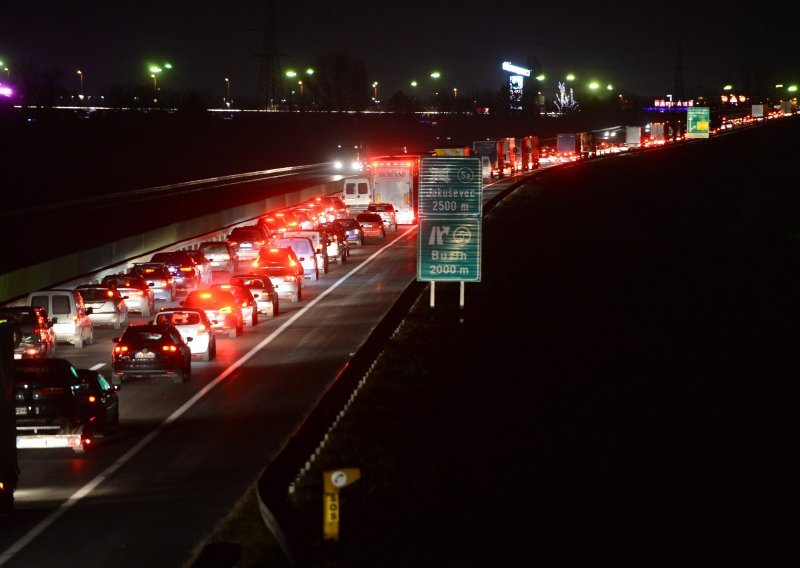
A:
(508, 66)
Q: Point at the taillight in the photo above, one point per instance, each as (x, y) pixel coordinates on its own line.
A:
(92, 398)
(259, 243)
(292, 262)
(185, 269)
(226, 257)
(170, 348)
(245, 304)
(205, 295)
(255, 264)
(233, 243)
(121, 349)
(31, 351)
(201, 330)
(289, 278)
(51, 391)
(226, 310)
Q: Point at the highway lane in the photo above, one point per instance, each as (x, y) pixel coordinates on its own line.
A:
(184, 455)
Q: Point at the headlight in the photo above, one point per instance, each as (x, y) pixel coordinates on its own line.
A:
(338, 165)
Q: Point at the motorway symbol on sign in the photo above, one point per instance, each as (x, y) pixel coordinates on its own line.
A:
(450, 186)
(449, 250)
(697, 122)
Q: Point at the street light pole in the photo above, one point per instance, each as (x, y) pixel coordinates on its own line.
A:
(155, 87)
(80, 75)
(228, 87)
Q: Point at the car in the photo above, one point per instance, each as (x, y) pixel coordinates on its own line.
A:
(151, 350)
(203, 266)
(107, 304)
(51, 406)
(183, 268)
(301, 218)
(336, 236)
(191, 323)
(138, 294)
(387, 213)
(245, 299)
(38, 340)
(357, 194)
(319, 240)
(304, 251)
(333, 206)
(158, 278)
(247, 241)
(353, 230)
(221, 307)
(279, 256)
(371, 224)
(284, 280)
(273, 225)
(222, 256)
(68, 314)
(263, 292)
(102, 401)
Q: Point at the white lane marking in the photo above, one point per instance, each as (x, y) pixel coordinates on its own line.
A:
(96, 367)
(75, 498)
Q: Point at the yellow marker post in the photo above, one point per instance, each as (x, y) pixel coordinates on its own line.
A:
(334, 481)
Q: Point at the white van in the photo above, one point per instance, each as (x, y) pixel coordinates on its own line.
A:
(70, 317)
(357, 194)
(320, 246)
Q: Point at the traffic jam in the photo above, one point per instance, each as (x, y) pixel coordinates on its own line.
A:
(174, 310)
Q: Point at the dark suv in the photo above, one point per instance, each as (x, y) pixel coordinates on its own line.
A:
(182, 266)
(51, 405)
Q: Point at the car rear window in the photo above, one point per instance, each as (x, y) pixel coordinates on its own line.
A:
(369, 217)
(97, 294)
(253, 234)
(298, 245)
(61, 305)
(179, 318)
(215, 248)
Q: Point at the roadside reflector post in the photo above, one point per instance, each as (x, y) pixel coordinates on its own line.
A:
(334, 481)
(433, 294)
(461, 296)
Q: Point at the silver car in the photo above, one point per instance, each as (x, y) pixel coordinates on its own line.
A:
(158, 278)
(108, 305)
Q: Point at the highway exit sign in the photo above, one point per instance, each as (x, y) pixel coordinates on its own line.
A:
(449, 250)
(450, 186)
(697, 122)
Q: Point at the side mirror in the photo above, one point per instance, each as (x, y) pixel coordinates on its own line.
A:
(149, 284)
(53, 321)
(125, 297)
(215, 322)
(188, 339)
(255, 295)
(116, 339)
(116, 387)
(89, 311)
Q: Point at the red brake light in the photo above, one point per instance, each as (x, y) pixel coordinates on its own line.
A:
(121, 349)
(186, 269)
(149, 270)
(273, 250)
(109, 293)
(201, 330)
(92, 398)
(233, 243)
(259, 243)
(205, 295)
(169, 348)
(226, 310)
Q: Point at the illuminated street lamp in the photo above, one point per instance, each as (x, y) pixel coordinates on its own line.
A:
(455, 92)
(435, 75)
(301, 88)
(609, 87)
(228, 87)
(570, 77)
(291, 74)
(80, 75)
(540, 77)
(413, 83)
(792, 88)
(727, 87)
(594, 85)
(309, 71)
(375, 91)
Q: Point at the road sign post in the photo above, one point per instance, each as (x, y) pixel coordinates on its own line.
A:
(450, 223)
(697, 122)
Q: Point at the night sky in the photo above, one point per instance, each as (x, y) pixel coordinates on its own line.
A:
(633, 45)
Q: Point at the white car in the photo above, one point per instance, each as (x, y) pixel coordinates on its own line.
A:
(194, 324)
(285, 282)
(263, 291)
(108, 305)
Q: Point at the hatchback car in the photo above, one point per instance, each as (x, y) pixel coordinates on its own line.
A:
(51, 405)
(279, 256)
(371, 225)
(262, 290)
(38, 340)
(158, 278)
(387, 213)
(304, 251)
(192, 323)
(183, 268)
(148, 350)
(353, 230)
(139, 296)
(102, 401)
(221, 307)
(247, 241)
(244, 298)
(285, 282)
(222, 256)
(108, 305)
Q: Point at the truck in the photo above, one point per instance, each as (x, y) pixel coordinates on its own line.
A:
(633, 136)
(452, 151)
(657, 134)
(787, 107)
(528, 152)
(10, 337)
(510, 156)
(395, 180)
(574, 146)
(491, 152)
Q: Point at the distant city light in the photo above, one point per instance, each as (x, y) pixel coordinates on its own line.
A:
(435, 75)
(155, 69)
(779, 86)
(570, 77)
(291, 73)
(540, 77)
(792, 88)
(6, 91)
(413, 83)
(594, 85)
(727, 87)
(610, 87)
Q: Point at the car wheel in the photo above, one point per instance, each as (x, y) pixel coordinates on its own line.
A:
(146, 311)
(275, 308)
(296, 297)
(178, 376)
(206, 355)
(233, 332)
(255, 318)
(90, 339)
(79, 343)
(213, 349)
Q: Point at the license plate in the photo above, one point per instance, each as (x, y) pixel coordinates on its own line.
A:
(215, 263)
(246, 245)
(17, 355)
(22, 410)
(145, 355)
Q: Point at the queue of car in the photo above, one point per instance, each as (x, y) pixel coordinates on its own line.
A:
(61, 406)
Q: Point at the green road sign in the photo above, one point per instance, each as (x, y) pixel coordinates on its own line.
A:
(697, 122)
(449, 250)
(450, 186)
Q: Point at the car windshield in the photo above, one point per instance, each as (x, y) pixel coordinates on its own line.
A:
(247, 234)
(369, 217)
(132, 335)
(381, 207)
(214, 248)
(172, 257)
